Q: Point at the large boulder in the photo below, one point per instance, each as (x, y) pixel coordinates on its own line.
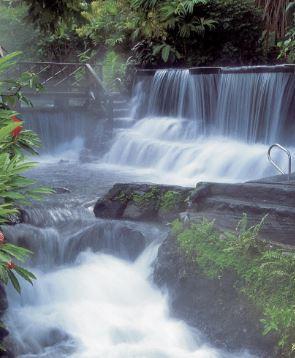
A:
(213, 306)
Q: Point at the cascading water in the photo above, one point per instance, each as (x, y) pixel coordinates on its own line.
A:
(93, 297)
(207, 126)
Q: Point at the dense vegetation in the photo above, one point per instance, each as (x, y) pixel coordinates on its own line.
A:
(266, 275)
(151, 32)
(15, 189)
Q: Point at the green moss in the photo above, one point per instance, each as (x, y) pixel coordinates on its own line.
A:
(266, 275)
(151, 197)
(123, 196)
(170, 201)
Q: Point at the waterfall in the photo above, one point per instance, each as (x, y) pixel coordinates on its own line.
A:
(254, 107)
(215, 126)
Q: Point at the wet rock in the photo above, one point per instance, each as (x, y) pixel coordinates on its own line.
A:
(214, 306)
(113, 237)
(226, 203)
(109, 209)
(140, 201)
(272, 198)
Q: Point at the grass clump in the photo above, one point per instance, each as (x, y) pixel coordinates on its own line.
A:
(266, 275)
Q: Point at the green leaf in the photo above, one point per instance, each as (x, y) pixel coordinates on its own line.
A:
(5, 131)
(166, 52)
(25, 274)
(4, 275)
(14, 281)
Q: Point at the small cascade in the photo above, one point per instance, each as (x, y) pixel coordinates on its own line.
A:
(60, 234)
(92, 271)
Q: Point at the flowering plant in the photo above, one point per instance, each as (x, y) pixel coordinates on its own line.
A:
(15, 189)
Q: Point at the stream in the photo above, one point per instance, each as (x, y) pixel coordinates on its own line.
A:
(94, 295)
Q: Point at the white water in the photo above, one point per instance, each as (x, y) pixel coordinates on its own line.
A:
(192, 128)
(170, 150)
(107, 307)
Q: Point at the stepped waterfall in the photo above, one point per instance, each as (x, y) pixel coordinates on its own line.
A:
(94, 297)
(208, 126)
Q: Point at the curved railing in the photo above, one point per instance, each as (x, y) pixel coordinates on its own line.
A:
(285, 150)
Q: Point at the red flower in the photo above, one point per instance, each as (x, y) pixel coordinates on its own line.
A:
(2, 238)
(10, 265)
(16, 132)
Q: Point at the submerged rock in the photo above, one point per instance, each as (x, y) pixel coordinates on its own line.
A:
(113, 238)
(214, 306)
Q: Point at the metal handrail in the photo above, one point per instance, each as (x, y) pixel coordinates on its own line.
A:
(276, 145)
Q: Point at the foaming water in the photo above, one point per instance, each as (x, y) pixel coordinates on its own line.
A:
(101, 307)
(252, 107)
(214, 127)
(255, 107)
(174, 153)
(66, 134)
(96, 304)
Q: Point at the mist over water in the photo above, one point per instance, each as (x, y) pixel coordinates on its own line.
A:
(93, 297)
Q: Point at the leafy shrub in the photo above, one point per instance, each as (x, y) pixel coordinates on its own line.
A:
(177, 32)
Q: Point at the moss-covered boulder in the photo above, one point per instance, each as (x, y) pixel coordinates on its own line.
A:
(140, 201)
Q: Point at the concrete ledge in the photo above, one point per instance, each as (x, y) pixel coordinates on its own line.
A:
(285, 68)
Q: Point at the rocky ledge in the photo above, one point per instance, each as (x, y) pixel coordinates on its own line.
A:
(223, 203)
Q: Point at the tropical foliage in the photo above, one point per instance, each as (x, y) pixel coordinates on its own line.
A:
(266, 275)
(182, 32)
(15, 33)
(157, 33)
(15, 189)
(287, 45)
